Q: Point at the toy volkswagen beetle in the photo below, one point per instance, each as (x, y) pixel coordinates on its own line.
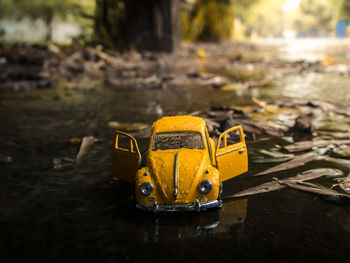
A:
(183, 170)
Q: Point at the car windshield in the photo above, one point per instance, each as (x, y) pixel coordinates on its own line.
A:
(177, 140)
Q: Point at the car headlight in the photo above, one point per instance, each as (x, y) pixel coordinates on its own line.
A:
(205, 186)
(146, 188)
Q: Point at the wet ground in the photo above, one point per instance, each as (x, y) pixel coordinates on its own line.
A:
(56, 210)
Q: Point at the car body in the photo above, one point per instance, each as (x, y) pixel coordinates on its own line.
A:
(184, 170)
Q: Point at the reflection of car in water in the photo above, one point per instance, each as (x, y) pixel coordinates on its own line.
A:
(184, 171)
(226, 221)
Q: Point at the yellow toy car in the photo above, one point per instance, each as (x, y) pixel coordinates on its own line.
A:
(183, 170)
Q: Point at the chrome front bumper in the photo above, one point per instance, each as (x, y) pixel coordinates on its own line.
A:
(197, 206)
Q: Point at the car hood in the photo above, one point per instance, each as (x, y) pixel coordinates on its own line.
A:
(191, 164)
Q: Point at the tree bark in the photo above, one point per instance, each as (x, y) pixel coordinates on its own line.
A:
(154, 25)
(145, 25)
(48, 22)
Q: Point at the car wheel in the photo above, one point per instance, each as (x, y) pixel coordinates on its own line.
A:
(221, 189)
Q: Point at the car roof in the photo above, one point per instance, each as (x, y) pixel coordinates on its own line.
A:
(179, 123)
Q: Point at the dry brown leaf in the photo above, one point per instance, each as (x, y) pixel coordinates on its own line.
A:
(276, 185)
(329, 194)
(85, 145)
(129, 126)
(308, 145)
(268, 107)
(345, 185)
(297, 161)
(75, 140)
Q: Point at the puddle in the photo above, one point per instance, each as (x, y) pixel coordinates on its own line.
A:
(78, 213)
(312, 86)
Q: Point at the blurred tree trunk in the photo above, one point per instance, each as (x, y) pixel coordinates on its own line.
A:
(144, 25)
(48, 21)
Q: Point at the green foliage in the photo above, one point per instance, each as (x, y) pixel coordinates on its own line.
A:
(47, 10)
(316, 15)
(3, 7)
(40, 8)
(109, 19)
(242, 8)
(344, 9)
(107, 22)
(271, 18)
(266, 18)
(208, 19)
(212, 19)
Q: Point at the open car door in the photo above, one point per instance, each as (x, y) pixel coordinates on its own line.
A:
(231, 153)
(126, 157)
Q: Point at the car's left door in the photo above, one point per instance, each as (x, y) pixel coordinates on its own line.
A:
(126, 157)
(231, 153)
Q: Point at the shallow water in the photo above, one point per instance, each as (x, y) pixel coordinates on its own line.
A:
(310, 87)
(78, 213)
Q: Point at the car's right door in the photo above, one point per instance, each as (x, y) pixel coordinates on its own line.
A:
(231, 157)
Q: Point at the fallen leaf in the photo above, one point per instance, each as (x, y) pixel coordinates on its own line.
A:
(316, 173)
(345, 185)
(311, 188)
(260, 103)
(268, 107)
(212, 125)
(263, 188)
(85, 145)
(233, 87)
(75, 140)
(308, 145)
(328, 61)
(334, 135)
(128, 126)
(342, 151)
(145, 133)
(59, 163)
(338, 161)
(297, 161)
(201, 53)
(5, 159)
(273, 159)
(276, 185)
(256, 128)
(216, 82)
(330, 108)
(275, 154)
